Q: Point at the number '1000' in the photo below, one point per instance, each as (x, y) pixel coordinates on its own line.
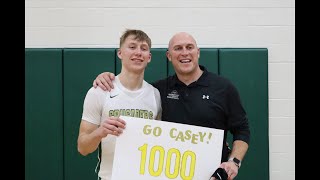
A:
(167, 162)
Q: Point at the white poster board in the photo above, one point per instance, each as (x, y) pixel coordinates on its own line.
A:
(159, 150)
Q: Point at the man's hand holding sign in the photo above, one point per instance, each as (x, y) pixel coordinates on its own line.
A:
(163, 150)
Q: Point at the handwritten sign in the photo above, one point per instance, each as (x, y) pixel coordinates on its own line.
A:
(159, 150)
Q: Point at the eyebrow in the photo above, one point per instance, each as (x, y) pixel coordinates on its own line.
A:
(179, 45)
(136, 44)
(189, 44)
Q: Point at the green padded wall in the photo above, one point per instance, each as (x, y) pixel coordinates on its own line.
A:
(208, 58)
(81, 66)
(156, 69)
(57, 80)
(43, 114)
(248, 70)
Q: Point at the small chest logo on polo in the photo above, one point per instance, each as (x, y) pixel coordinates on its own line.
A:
(205, 96)
(173, 95)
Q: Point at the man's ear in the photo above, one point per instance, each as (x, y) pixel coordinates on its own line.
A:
(150, 55)
(168, 56)
(119, 53)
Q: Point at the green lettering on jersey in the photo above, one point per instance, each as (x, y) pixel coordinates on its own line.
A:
(139, 113)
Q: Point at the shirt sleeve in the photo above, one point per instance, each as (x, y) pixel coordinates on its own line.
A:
(158, 101)
(237, 118)
(93, 105)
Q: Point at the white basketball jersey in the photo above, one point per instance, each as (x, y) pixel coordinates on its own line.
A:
(99, 105)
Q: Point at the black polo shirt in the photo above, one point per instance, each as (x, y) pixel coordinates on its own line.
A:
(211, 101)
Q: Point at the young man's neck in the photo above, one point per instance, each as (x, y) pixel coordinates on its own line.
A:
(131, 81)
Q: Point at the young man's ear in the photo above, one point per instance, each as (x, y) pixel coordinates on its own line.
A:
(150, 55)
(119, 53)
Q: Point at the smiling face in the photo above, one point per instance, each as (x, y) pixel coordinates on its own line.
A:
(183, 53)
(134, 53)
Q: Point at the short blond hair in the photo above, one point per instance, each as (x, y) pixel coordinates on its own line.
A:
(138, 34)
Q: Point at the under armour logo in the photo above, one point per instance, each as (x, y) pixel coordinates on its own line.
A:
(205, 96)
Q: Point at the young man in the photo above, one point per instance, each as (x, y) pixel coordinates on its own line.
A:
(197, 97)
(131, 96)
